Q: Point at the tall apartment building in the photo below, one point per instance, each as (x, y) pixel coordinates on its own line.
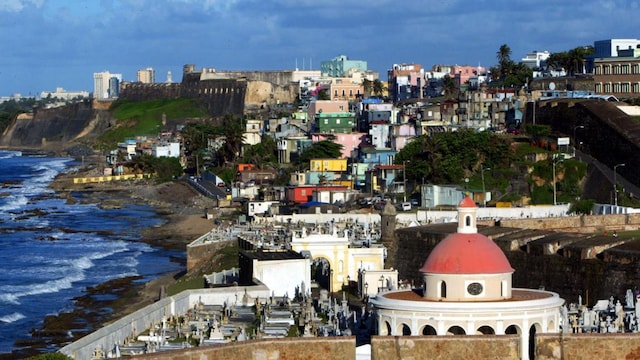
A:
(405, 81)
(147, 76)
(106, 85)
(340, 65)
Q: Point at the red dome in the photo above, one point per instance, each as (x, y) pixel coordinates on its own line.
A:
(466, 254)
(467, 202)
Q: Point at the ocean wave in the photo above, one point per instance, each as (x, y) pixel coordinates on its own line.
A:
(9, 154)
(13, 293)
(14, 201)
(11, 317)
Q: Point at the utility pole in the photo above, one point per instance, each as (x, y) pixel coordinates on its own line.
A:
(615, 183)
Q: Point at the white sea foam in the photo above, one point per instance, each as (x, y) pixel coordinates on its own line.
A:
(11, 317)
(9, 154)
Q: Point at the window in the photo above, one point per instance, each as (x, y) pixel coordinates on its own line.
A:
(467, 220)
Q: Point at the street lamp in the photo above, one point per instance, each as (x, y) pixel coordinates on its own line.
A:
(615, 187)
(555, 199)
(381, 283)
(484, 191)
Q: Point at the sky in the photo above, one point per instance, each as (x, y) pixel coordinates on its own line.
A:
(46, 44)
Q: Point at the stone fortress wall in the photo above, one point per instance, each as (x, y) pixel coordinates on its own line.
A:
(221, 93)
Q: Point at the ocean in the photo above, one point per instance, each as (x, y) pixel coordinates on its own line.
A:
(51, 251)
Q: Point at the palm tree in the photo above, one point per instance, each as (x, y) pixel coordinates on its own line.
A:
(449, 86)
(504, 59)
(378, 87)
(367, 85)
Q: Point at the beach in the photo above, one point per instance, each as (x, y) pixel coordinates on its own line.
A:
(183, 212)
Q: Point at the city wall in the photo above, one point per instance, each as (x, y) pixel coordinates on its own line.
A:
(322, 348)
(582, 224)
(136, 323)
(445, 347)
(587, 346)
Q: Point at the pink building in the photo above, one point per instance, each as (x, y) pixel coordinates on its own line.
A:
(462, 73)
(349, 142)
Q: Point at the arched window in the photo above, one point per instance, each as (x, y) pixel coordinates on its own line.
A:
(467, 220)
(443, 289)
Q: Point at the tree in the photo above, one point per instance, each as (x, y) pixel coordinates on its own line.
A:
(261, 154)
(367, 86)
(233, 131)
(504, 59)
(449, 87)
(325, 149)
(378, 87)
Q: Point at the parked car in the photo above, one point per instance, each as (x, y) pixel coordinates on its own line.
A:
(404, 206)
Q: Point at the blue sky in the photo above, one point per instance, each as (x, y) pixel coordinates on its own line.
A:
(46, 44)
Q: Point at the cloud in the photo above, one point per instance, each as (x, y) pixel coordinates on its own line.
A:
(18, 5)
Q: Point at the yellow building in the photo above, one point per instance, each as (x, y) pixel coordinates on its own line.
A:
(333, 165)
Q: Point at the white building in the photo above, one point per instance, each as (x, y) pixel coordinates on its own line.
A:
(283, 272)
(467, 291)
(171, 149)
(61, 93)
(106, 85)
(534, 59)
(345, 262)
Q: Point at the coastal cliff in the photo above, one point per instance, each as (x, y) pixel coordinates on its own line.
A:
(57, 129)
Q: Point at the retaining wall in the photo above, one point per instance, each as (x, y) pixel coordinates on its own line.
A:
(130, 326)
(338, 348)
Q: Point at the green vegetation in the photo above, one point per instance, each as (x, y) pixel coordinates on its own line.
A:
(165, 168)
(145, 118)
(325, 149)
(50, 356)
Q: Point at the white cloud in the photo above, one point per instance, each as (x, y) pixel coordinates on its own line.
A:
(18, 5)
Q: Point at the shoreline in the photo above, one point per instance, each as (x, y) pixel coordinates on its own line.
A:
(182, 211)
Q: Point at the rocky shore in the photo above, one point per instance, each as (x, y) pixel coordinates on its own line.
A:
(177, 203)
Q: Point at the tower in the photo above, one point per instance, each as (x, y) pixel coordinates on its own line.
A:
(388, 232)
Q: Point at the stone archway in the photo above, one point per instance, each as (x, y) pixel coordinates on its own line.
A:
(321, 272)
(406, 330)
(429, 330)
(385, 329)
(456, 330)
(512, 330)
(535, 328)
(485, 330)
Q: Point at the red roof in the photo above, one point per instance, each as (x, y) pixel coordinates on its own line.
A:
(467, 202)
(466, 254)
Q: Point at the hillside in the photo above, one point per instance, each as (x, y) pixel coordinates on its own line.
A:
(56, 130)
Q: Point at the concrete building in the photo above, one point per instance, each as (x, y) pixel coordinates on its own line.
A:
(106, 85)
(147, 76)
(405, 81)
(63, 94)
(609, 48)
(617, 76)
(344, 261)
(467, 290)
(284, 272)
(340, 65)
(170, 149)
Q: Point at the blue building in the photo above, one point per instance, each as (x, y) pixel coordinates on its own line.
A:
(339, 65)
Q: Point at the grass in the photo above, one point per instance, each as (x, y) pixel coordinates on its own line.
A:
(145, 118)
(225, 258)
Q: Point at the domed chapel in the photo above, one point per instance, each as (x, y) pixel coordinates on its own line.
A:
(467, 290)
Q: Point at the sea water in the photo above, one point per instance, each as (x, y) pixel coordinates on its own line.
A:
(51, 251)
